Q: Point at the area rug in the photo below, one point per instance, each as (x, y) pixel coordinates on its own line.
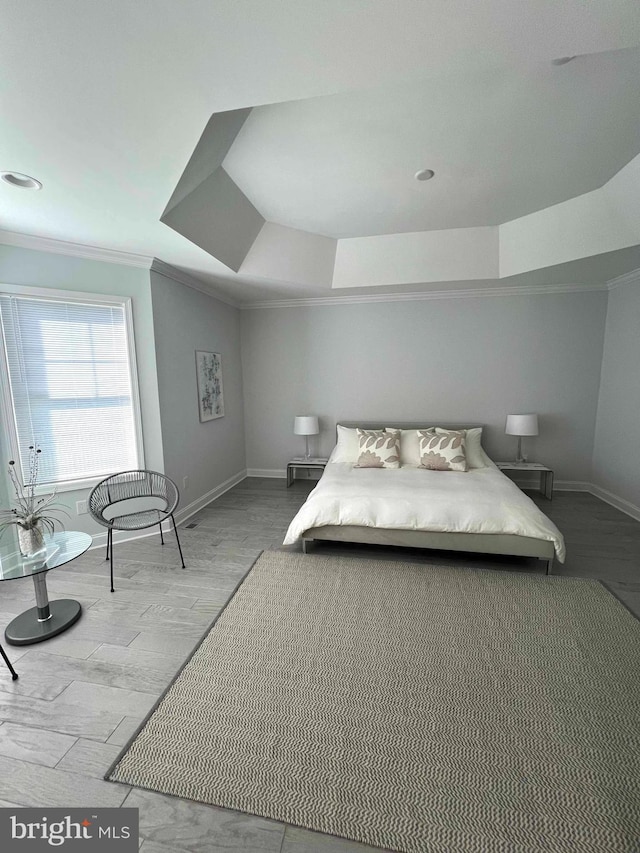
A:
(410, 707)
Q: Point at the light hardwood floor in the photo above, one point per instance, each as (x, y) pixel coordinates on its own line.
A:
(81, 695)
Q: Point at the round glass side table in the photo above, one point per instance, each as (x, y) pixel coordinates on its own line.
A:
(47, 618)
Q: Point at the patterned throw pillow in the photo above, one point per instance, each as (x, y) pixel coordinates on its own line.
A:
(443, 452)
(378, 449)
(476, 457)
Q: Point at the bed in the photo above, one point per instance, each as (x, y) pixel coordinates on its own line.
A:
(480, 511)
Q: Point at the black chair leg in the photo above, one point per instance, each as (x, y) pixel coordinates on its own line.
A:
(107, 557)
(161, 536)
(110, 547)
(175, 530)
(14, 674)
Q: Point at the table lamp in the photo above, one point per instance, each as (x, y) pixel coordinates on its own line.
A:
(521, 425)
(306, 425)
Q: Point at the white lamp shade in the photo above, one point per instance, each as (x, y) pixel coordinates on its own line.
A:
(522, 425)
(306, 425)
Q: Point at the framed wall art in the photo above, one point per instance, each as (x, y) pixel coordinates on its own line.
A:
(209, 374)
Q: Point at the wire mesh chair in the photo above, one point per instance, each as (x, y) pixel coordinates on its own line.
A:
(134, 500)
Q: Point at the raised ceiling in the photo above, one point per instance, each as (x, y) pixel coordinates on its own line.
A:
(503, 143)
(105, 102)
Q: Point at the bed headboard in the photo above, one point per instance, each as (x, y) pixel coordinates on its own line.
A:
(405, 424)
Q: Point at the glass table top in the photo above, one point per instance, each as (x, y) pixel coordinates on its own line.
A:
(58, 549)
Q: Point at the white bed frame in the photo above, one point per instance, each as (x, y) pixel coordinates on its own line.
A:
(481, 543)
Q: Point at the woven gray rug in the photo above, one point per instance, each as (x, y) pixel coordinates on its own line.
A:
(411, 707)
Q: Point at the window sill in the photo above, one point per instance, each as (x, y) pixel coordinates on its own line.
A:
(69, 486)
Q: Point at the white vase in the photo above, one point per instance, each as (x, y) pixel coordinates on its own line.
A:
(30, 541)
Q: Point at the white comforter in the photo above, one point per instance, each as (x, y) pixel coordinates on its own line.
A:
(482, 500)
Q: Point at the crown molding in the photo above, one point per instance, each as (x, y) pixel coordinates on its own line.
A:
(467, 293)
(174, 274)
(75, 250)
(110, 256)
(632, 277)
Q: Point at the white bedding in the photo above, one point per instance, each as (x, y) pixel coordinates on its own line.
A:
(482, 500)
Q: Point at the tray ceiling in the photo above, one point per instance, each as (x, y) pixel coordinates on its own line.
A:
(503, 143)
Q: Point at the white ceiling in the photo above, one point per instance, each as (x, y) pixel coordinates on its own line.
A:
(104, 102)
(503, 143)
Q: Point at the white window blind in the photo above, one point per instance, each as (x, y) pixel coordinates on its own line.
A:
(71, 386)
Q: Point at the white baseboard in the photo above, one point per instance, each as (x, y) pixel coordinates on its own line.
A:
(615, 501)
(195, 506)
(597, 491)
(533, 483)
(100, 539)
(279, 474)
(571, 486)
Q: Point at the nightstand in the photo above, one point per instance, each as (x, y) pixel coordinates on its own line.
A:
(546, 474)
(314, 463)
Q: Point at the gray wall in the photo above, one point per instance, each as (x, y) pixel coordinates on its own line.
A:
(616, 455)
(449, 359)
(186, 320)
(465, 359)
(51, 271)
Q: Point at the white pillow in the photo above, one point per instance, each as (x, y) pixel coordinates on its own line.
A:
(476, 457)
(410, 446)
(347, 450)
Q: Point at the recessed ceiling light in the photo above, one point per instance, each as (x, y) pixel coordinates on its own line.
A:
(424, 175)
(17, 179)
(562, 60)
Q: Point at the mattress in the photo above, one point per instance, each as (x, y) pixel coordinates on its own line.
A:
(482, 500)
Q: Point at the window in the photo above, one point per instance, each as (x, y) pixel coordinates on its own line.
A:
(69, 384)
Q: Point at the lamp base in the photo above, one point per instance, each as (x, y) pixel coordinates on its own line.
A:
(519, 457)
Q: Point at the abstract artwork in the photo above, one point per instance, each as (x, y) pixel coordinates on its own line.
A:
(209, 372)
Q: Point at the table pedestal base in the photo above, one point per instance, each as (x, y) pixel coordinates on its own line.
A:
(26, 628)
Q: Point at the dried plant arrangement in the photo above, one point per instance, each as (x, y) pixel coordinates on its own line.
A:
(33, 514)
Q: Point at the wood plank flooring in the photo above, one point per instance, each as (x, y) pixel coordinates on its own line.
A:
(81, 695)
